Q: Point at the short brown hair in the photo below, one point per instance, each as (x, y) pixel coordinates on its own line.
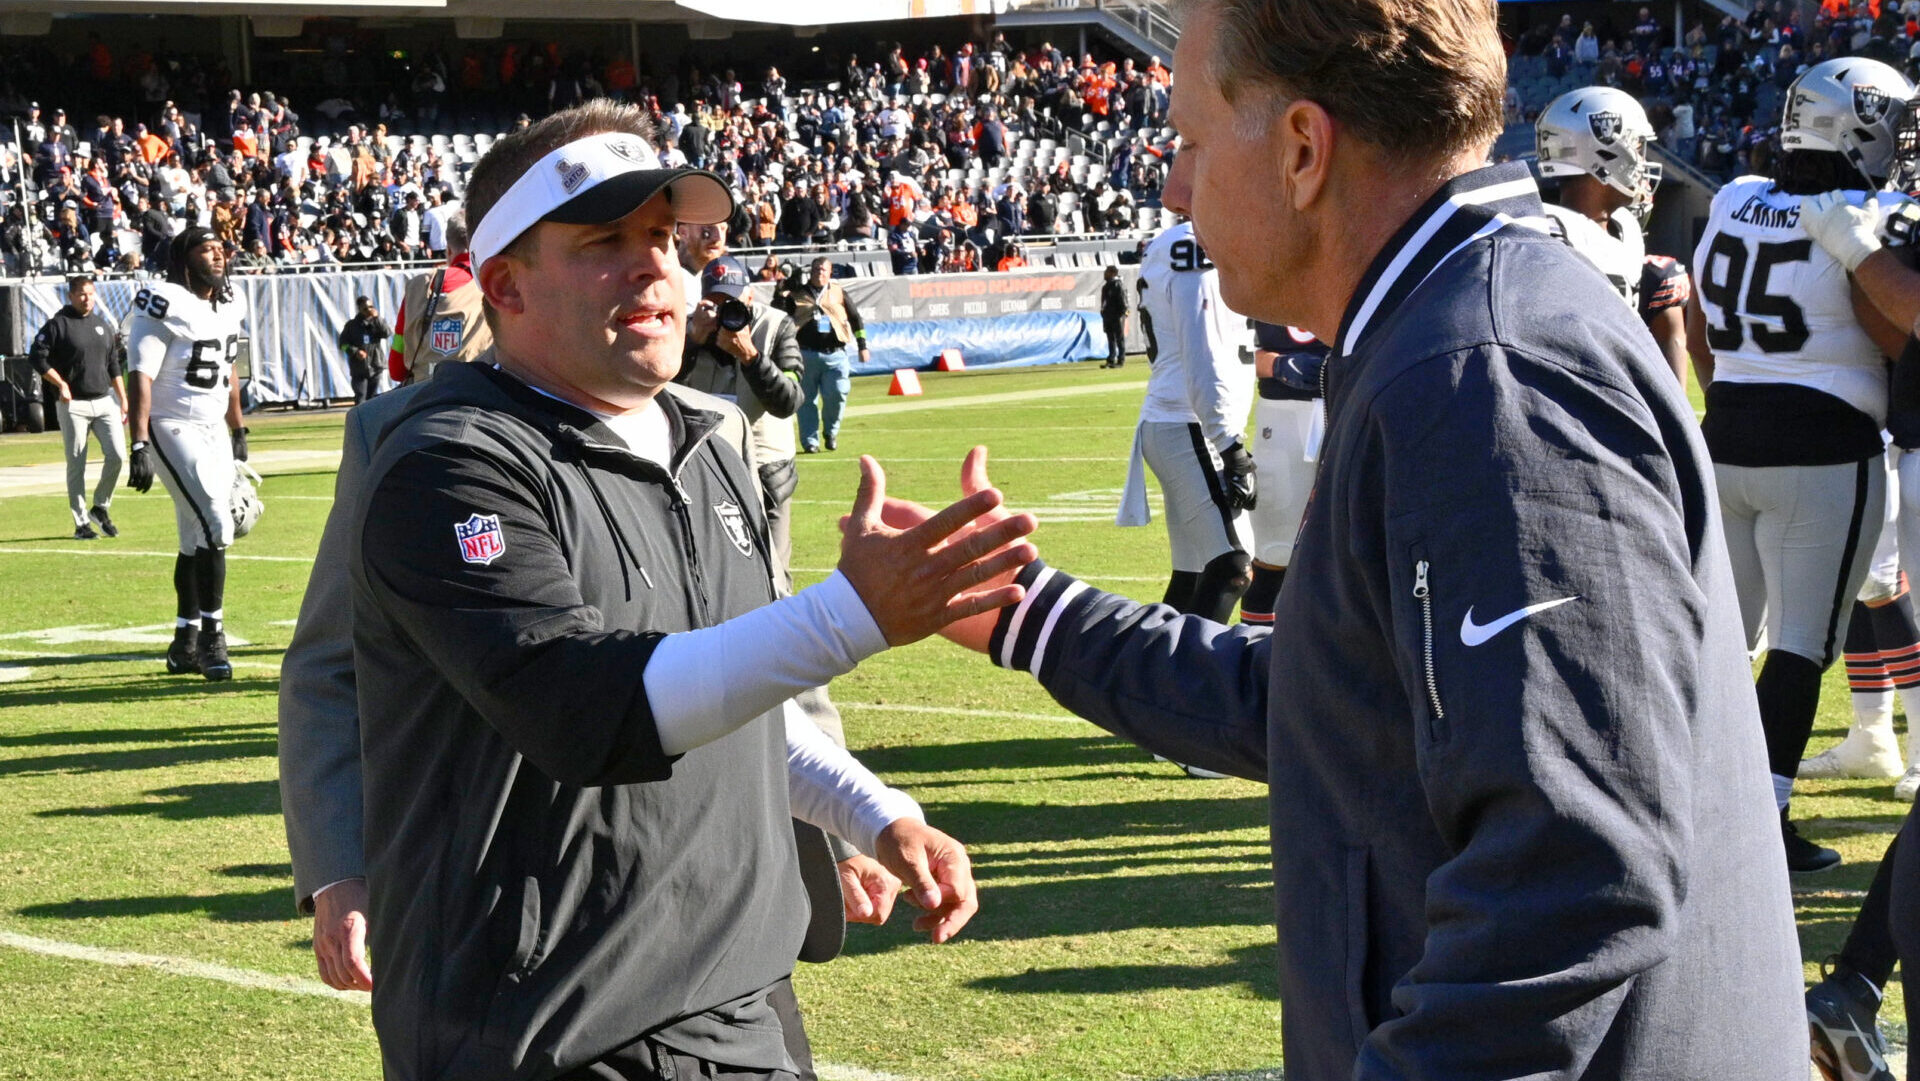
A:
(1415, 77)
(508, 159)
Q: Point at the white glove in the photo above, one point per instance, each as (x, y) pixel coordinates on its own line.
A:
(1847, 232)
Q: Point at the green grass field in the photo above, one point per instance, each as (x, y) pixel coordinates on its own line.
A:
(1126, 924)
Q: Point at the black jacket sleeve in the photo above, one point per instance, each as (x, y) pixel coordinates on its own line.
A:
(512, 635)
(775, 374)
(854, 322)
(42, 350)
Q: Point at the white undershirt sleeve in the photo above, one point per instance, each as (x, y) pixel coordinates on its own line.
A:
(705, 683)
(148, 352)
(829, 788)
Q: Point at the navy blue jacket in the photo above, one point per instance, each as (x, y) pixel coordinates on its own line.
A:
(1522, 823)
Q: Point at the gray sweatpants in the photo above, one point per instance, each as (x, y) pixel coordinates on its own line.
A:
(100, 417)
(1801, 538)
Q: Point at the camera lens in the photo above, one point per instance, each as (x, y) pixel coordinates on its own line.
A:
(733, 315)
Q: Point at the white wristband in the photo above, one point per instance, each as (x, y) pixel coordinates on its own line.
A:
(705, 683)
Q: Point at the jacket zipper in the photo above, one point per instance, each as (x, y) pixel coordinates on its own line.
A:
(1424, 595)
(681, 504)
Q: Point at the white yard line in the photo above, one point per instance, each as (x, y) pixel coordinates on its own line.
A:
(179, 966)
(291, 985)
(50, 478)
(264, 981)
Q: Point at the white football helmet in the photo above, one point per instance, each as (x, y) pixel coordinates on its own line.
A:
(245, 501)
(1847, 106)
(1602, 133)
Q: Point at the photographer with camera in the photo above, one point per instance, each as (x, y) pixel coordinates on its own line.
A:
(747, 353)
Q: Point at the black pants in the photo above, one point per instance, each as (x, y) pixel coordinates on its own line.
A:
(365, 385)
(1116, 338)
(1904, 916)
(644, 1060)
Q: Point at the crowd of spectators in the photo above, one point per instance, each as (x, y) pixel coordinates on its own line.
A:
(1715, 98)
(946, 159)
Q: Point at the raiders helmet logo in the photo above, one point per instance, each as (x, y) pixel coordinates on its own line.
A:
(1870, 104)
(1606, 127)
(734, 521)
(634, 151)
(571, 175)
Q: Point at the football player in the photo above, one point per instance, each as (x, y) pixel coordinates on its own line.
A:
(182, 336)
(1794, 363)
(1191, 425)
(1594, 143)
(1287, 423)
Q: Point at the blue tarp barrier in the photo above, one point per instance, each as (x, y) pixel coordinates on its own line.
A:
(1006, 341)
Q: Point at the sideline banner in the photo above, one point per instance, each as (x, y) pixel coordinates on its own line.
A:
(293, 322)
(1021, 317)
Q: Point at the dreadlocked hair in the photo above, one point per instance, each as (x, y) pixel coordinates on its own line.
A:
(1810, 172)
(177, 254)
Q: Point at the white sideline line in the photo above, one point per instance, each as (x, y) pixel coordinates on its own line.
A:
(179, 966)
(150, 555)
(292, 985)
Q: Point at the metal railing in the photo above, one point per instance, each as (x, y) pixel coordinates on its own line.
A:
(1151, 19)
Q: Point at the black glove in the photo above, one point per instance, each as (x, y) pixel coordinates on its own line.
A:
(140, 468)
(240, 446)
(1239, 492)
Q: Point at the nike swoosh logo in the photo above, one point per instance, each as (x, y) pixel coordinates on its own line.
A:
(1473, 634)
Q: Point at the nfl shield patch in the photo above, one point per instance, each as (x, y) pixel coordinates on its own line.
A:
(734, 521)
(445, 332)
(480, 538)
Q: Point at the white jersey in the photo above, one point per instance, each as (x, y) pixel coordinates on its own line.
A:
(187, 347)
(1202, 350)
(1778, 308)
(1617, 249)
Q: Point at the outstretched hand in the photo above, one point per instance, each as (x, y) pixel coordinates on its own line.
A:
(974, 631)
(936, 874)
(917, 577)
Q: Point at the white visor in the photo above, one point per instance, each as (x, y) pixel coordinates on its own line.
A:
(600, 178)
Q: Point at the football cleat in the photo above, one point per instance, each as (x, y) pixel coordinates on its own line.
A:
(213, 656)
(1908, 785)
(1844, 1027)
(1870, 753)
(84, 531)
(180, 655)
(104, 521)
(1803, 856)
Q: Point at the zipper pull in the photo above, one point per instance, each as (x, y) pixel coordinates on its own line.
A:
(1420, 580)
(680, 497)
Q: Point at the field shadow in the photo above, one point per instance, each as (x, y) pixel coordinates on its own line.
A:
(1253, 967)
(157, 689)
(221, 799)
(253, 906)
(1047, 753)
(184, 746)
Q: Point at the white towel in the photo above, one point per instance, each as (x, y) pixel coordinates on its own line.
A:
(1133, 500)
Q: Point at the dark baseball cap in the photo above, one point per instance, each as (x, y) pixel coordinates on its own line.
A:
(725, 276)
